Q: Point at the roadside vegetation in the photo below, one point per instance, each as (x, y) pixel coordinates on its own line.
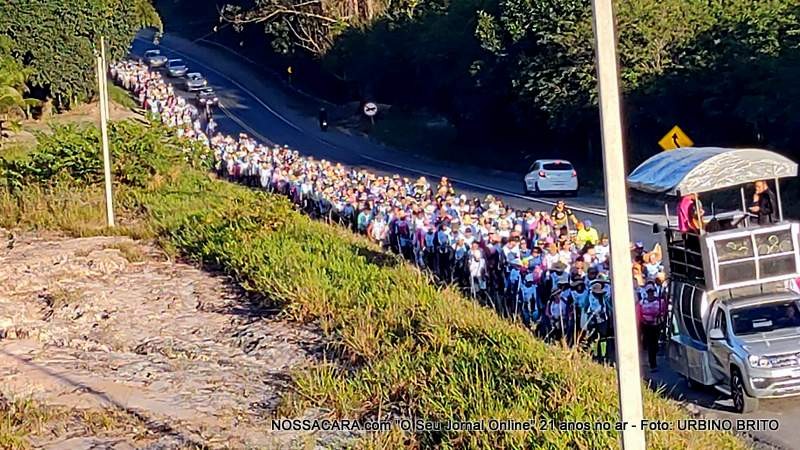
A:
(55, 41)
(519, 74)
(22, 419)
(398, 346)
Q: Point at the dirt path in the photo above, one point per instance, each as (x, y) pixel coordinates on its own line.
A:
(106, 322)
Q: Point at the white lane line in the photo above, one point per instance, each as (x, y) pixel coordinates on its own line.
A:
(593, 211)
(236, 83)
(242, 124)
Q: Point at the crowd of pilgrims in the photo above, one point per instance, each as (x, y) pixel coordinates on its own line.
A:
(546, 268)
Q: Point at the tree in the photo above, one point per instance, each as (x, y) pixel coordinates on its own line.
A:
(57, 40)
(312, 25)
(13, 105)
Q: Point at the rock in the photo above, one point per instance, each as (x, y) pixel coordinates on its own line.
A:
(133, 334)
(107, 261)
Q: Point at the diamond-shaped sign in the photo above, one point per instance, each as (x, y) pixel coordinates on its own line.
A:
(676, 138)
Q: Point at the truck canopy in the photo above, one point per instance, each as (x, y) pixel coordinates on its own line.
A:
(694, 170)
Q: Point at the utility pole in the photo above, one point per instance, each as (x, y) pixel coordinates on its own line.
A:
(103, 91)
(629, 378)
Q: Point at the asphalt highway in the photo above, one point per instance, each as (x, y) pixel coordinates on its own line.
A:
(253, 103)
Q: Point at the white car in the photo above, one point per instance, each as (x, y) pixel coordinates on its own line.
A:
(551, 175)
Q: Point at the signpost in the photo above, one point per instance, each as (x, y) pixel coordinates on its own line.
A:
(676, 138)
(102, 89)
(370, 109)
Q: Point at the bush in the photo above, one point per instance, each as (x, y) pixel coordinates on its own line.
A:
(138, 155)
(398, 346)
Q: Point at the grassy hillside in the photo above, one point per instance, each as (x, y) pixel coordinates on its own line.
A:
(398, 347)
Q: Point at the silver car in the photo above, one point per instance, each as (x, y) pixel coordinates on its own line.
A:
(195, 82)
(176, 68)
(754, 347)
(154, 58)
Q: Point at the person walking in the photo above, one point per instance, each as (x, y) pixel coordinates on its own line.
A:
(652, 311)
(477, 270)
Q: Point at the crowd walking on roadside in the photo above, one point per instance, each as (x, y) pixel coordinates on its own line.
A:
(548, 269)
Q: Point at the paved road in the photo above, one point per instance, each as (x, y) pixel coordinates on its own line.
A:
(253, 103)
(259, 106)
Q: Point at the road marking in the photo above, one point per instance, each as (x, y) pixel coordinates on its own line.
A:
(242, 124)
(237, 84)
(593, 211)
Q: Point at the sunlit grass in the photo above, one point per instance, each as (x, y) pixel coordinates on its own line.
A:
(397, 346)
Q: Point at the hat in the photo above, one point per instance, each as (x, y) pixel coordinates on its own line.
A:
(559, 266)
(639, 244)
(599, 288)
(587, 223)
(577, 282)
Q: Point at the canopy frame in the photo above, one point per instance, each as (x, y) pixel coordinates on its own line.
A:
(692, 170)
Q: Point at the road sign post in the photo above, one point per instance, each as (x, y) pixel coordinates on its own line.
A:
(629, 379)
(102, 89)
(370, 110)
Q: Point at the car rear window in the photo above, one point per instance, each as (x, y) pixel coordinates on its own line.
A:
(557, 166)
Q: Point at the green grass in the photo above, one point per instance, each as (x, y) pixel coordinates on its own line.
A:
(396, 345)
(16, 150)
(121, 97)
(23, 418)
(18, 420)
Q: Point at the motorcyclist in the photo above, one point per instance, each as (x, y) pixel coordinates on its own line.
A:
(323, 119)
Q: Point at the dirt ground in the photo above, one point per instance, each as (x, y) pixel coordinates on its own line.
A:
(164, 354)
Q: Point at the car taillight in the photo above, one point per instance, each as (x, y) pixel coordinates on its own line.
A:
(574, 174)
(542, 174)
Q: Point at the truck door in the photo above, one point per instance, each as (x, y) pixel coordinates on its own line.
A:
(719, 350)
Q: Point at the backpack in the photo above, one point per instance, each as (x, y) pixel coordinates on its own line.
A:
(403, 232)
(429, 240)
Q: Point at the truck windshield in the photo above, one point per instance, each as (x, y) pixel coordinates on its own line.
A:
(765, 318)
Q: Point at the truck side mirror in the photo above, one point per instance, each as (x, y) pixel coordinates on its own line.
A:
(716, 334)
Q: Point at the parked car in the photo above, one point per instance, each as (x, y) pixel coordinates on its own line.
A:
(551, 175)
(195, 82)
(176, 68)
(207, 96)
(154, 58)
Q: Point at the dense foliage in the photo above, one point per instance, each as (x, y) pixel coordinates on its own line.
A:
(523, 70)
(13, 105)
(57, 40)
(398, 346)
(70, 152)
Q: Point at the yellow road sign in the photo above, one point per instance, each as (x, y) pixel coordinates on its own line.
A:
(676, 138)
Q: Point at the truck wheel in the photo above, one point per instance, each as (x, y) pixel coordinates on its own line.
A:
(742, 402)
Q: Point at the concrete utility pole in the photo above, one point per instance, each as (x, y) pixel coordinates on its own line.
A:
(629, 378)
(103, 90)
